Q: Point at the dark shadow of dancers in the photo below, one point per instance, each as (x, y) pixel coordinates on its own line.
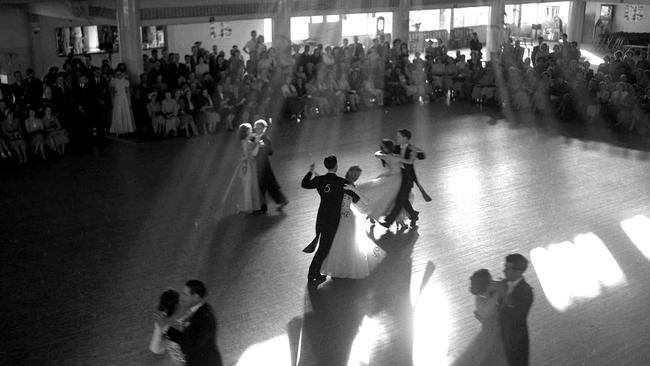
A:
(334, 312)
(390, 293)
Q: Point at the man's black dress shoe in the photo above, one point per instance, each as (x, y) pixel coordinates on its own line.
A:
(317, 279)
(312, 246)
(384, 224)
(414, 219)
(309, 249)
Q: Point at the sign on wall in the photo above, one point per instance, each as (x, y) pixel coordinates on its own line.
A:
(633, 13)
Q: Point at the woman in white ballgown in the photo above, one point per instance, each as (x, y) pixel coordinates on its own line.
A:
(353, 254)
(382, 191)
(122, 118)
(487, 348)
(168, 311)
(251, 198)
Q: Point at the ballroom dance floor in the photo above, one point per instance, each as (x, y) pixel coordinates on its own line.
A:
(90, 241)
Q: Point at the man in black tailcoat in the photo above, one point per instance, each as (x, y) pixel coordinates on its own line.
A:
(331, 188)
(407, 154)
(197, 332)
(514, 311)
(268, 183)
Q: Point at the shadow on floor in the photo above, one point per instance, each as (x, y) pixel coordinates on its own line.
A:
(334, 311)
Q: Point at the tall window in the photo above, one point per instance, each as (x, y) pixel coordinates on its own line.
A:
(469, 17)
(300, 28)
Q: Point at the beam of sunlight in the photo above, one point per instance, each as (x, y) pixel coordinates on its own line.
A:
(638, 230)
(591, 57)
(571, 271)
(431, 327)
(276, 351)
(363, 342)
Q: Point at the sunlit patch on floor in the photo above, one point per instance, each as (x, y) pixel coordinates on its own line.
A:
(276, 351)
(638, 230)
(363, 342)
(571, 271)
(431, 326)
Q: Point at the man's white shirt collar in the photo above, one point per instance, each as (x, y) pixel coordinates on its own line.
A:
(513, 284)
(196, 307)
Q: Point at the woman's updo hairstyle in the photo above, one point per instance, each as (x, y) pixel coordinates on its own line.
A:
(168, 302)
(387, 146)
(243, 130)
(353, 174)
(480, 281)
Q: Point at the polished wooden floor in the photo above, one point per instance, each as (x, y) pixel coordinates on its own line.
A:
(90, 241)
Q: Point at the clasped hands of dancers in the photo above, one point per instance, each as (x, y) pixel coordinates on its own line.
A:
(340, 253)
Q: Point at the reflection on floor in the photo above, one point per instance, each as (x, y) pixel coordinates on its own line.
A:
(89, 242)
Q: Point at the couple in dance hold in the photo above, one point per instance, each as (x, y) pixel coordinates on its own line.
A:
(344, 249)
(502, 308)
(255, 172)
(185, 327)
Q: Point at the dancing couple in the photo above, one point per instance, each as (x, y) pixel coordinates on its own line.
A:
(255, 172)
(344, 250)
(185, 328)
(502, 308)
(389, 194)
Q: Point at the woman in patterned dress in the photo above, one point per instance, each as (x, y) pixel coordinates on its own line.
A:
(11, 129)
(55, 137)
(34, 127)
(167, 309)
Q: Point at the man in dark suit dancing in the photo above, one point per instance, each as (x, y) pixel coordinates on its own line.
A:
(268, 183)
(198, 332)
(514, 311)
(408, 154)
(330, 188)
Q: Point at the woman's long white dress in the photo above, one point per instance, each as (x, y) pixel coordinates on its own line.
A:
(487, 348)
(122, 119)
(251, 198)
(353, 254)
(382, 191)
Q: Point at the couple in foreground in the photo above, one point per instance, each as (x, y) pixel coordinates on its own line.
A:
(502, 308)
(185, 327)
(344, 250)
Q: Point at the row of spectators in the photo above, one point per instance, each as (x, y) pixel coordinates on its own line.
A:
(616, 93)
(220, 87)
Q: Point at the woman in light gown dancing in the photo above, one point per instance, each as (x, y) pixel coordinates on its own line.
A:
(487, 348)
(122, 118)
(168, 309)
(382, 191)
(251, 199)
(353, 254)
